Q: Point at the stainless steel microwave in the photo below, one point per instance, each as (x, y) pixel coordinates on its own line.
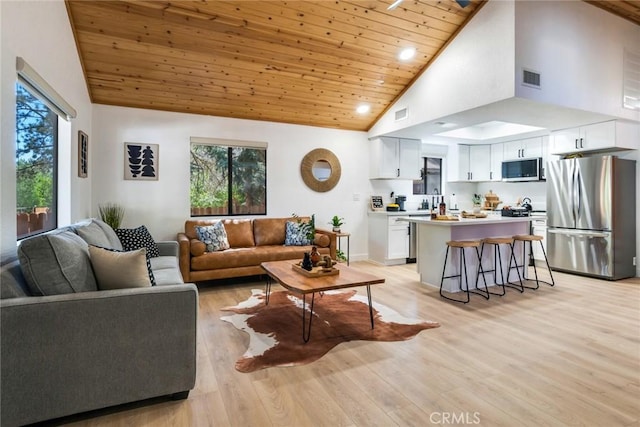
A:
(523, 170)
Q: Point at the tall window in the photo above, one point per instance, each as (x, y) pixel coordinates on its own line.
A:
(228, 180)
(430, 181)
(36, 164)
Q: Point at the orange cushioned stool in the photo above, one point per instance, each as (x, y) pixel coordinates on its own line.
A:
(524, 238)
(497, 259)
(461, 245)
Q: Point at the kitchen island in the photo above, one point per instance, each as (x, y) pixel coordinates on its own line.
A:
(432, 236)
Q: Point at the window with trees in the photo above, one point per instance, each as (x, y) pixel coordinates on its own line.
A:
(430, 181)
(228, 179)
(36, 164)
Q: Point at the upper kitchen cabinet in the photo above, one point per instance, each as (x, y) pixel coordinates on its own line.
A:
(469, 163)
(395, 158)
(479, 162)
(611, 135)
(497, 156)
(523, 149)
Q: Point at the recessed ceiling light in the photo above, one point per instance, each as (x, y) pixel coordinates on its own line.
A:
(445, 124)
(363, 108)
(394, 5)
(407, 53)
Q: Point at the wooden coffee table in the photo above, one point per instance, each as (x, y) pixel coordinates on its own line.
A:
(282, 272)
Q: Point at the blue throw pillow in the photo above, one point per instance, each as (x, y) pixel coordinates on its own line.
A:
(213, 236)
(136, 238)
(296, 234)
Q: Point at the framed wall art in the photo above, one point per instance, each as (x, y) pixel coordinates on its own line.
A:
(141, 161)
(83, 154)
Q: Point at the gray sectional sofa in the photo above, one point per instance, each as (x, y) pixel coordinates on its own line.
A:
(68, 347)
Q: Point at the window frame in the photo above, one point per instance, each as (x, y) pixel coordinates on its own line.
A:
(48, 224)
(231, 205)
(424, 174)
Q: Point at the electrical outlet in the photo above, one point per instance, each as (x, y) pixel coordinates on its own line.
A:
(634, 260)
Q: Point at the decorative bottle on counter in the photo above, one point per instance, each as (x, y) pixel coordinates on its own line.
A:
(442, 207)
(434, 214)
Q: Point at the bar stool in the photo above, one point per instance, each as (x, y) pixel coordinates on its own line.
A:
(461, 245)
(524, 238)
(496, 242)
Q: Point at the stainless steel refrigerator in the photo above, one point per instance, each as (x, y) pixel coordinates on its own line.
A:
(591, 216)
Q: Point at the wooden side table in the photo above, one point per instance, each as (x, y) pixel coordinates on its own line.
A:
(340, 236)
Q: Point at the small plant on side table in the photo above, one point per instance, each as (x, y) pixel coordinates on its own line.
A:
(336, 222)
(340, 256)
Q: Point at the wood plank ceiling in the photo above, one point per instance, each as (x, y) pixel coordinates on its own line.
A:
(302, 62)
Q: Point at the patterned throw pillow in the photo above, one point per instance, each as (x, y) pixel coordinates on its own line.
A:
(136, 238)
(214, 236)
(115, 269)
(296, 234)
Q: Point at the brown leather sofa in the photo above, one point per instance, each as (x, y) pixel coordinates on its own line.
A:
(251, 241)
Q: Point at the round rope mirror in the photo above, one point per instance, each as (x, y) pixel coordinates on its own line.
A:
(320, 170)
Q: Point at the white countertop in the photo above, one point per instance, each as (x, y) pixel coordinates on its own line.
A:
(491, 219)
(425, 212)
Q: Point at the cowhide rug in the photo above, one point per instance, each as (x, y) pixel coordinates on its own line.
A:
(275, 330)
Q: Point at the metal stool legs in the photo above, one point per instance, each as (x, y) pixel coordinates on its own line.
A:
(497, 260)
(530, 238)
(463, 270)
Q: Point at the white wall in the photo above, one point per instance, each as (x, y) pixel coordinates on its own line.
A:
(474, 70)
(163, 205)
(578, 50)
(39, 31)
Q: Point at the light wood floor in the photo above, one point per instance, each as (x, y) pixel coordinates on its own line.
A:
(568, 355)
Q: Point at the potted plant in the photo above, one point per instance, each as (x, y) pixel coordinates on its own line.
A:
(308, 228)
(340, 256)
(476, 199)
(336, 222)
(111, 214)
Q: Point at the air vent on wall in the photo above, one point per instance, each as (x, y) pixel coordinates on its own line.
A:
(402, 114)
(530, 78)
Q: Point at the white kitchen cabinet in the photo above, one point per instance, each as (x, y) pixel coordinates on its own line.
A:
(409, 163)
(497, 156)
(388, 239)
(395, 158)
(470, 163)
(603, 136)
(458, 161)
(546, 156)
(523, 149)
(539, 228)
(480, 162)
(398, 239)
